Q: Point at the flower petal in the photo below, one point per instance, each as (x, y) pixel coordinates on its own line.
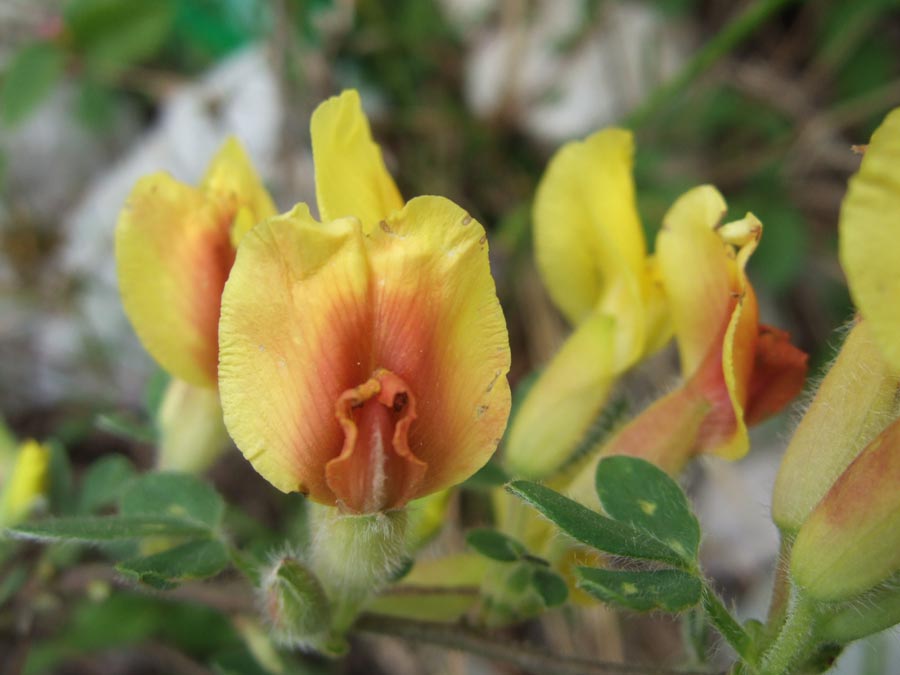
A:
(231, 175)
(312, 310)
(173, 255)
(869, 232)
(588, 236)
(779, 371)
(696, 273)
(351, 178)
(293, 336)
(567, 397)
(440, 327)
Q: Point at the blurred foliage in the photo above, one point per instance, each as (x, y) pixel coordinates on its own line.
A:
(832, 64)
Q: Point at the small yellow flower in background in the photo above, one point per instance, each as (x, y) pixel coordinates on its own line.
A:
(592, 257)
(363, 359)
(25, 483)
(175, 245)
(736, 371)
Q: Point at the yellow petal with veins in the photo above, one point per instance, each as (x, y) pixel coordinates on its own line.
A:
(293, 313)
(588, 238)
(351, 178)
(869, 236)
(174, 249)
(173, 254)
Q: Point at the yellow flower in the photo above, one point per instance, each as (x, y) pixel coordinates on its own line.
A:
(363, 359)
(175, 245)
(736, 371)
(592, 257)
(25, 484)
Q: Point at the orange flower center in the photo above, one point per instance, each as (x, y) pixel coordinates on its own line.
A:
(376, 470)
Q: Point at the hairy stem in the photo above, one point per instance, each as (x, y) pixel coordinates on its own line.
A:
(726, 624)
(795, 640)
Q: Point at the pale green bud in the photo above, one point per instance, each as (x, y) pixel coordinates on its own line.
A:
(192, 433)
(855, 402)
(295, 605)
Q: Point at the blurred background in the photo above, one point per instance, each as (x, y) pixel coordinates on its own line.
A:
(468, 99)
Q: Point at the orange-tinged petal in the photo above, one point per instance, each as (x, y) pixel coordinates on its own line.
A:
(440, 327)
(173, 254)
(869, 232)
(315, 314)
(351, 178)
(382, 409)
(292, 337)
(779, 371)
(231, 176)
(564, 401)
(588, 237)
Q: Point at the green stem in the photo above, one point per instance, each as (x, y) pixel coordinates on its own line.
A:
(529, 659)
(726, 624)
(795, 640)
(781, 590)
(729, 37)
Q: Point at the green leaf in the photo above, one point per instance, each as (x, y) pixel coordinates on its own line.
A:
(114, 34)
(495, 545)
(28, 80)
(190, 561)
(488, 477)
(550, 586)
(589, 527)
(104, 482)
(636, 492)
(11, 582)
(96, 529)
(666, 590)
(60, 492)
(175, 495)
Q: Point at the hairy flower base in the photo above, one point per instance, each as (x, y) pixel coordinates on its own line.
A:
(376, 468)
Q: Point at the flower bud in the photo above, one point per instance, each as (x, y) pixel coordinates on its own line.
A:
(851, 541)
(354, 556)
(295, 604)
(192, 433)
(855, 401)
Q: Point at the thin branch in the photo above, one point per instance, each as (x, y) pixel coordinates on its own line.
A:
(530, 659)
(729, 37)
